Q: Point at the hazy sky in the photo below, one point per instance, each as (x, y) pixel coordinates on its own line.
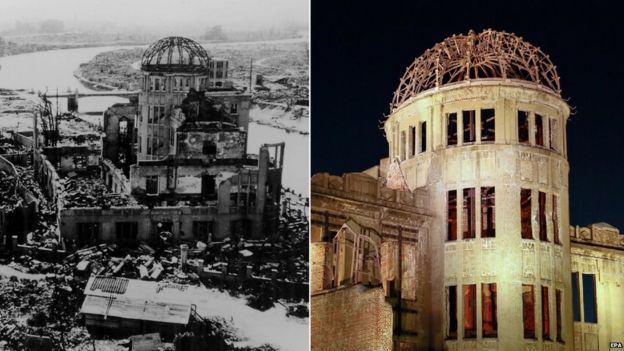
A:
(156, 13)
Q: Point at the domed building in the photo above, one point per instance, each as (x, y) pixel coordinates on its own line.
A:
(181, 153)
(460, 239)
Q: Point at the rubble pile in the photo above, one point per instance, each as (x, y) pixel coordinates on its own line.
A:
(10, 198)
(10, 146)
(90, 191)
(43, 308)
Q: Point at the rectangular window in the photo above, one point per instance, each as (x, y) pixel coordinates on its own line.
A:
(403, 145)
(488, 310)
(202, 230)
(140, 146)
(523, 127)
(539, 130)
(470, 311)
(488, 226)
(88, 233)
(543, 233)
(469, 213)
(452, 215)
(234, 109)
(558, 317)
(555, 219)
(126, 232)
(469, 126)
(554, 134)
(412, 131)
(488, 132)
(451, 128)
(545, 314)
(589, 298)
(528, 311)
(525, 214)
(576, 297)
(451, 309)
(157, 84)
(151, 184)
(423, 136)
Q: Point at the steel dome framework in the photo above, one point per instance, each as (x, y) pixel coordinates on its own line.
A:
(489, 54)
(175, 54)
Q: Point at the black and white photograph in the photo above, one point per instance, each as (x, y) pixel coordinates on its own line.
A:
(154, 175)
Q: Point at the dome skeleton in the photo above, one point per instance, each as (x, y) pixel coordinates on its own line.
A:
(489, 54)
(160, 56)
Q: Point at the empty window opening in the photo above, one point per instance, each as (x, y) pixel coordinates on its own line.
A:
(423, 136)
(554, 134)
(488, 219)
(488, 310)
(469, 126)
(523, 127)
(528, 311)
(545, 314)
(126, 232)
(451, 129)
(451, 303)
(209, 148)
(543, 233)
(589, 298)
(402, 145)
(412, 141)
(151, 184)
(88, 233)
(202, 230)
(488, 132)
(469, 213)
(576, 298)
(470, 311)
(558, 318)
(452, 215)
(234, 109)
(525, 214)
(208, 185)
(555, 219)
(539, 130)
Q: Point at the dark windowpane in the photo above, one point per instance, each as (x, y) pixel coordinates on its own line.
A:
(525, 213)
(545, 314)
(412, 141)
(576, 299)
(488, 226)
(469, 213)
(543, 234)
(452, 215)
(451, 129)
(488, 131)
(488, 304)
(539, 130)
(423, 136)
(470, 311)
(528, 311)
(559, 319)
(469, 126)
(451, 293)
(589, 298)
(523, 127)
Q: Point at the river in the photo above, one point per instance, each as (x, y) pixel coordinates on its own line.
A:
(52, 70)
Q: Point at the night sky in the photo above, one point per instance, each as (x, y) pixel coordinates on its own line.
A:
(360, 51)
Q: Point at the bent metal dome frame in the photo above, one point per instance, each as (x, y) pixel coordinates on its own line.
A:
(175, 54)
(489, 54)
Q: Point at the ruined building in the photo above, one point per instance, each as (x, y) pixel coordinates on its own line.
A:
(180, 156)
(460, 239)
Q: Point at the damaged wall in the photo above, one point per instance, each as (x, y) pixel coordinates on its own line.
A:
(207, 145)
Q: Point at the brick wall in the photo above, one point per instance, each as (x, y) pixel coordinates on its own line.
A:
(353, 318)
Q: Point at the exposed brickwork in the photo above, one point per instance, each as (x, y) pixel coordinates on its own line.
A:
(355, 318)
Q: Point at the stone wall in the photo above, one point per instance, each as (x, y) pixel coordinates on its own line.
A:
(352, 318)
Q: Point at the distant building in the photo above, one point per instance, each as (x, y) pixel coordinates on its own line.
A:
(460, 239)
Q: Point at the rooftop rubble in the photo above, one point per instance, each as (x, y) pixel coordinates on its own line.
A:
(10, 197)
(10, 146)
(89, 190)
